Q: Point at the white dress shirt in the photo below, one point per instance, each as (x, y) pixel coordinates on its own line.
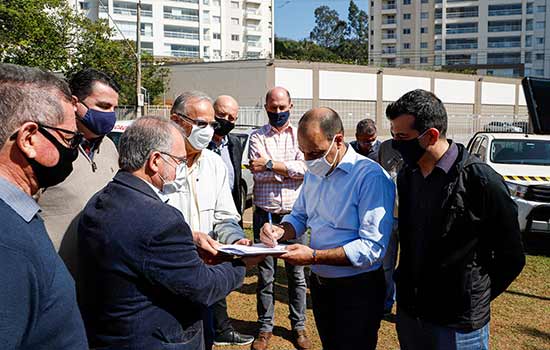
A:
(205, 199)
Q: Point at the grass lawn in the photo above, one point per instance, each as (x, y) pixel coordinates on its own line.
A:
(520, 316)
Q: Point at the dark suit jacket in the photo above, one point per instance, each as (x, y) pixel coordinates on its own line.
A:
(144, 285)
(236, 153)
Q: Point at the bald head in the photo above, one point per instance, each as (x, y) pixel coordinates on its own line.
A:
(277, 93)
(324, 120)
(226, 107)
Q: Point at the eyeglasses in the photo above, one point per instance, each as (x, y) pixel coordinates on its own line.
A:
(198, 122)
(73, 141)
(177, 160)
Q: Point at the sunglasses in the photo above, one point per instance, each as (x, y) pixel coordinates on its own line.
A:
(198, 122)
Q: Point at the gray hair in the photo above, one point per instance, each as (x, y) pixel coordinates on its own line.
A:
(180, 104)
(140, 139)
(30, 95)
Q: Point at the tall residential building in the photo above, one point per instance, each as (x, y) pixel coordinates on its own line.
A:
(213, 30)
(495, 37)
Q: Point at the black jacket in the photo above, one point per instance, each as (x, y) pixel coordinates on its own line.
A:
(474, 259)
(235, 148)
(144, 285)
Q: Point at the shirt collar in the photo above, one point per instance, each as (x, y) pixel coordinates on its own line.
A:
(348, 160)
(272, 130)
(158, 192)
(446, 162)
(23, 204)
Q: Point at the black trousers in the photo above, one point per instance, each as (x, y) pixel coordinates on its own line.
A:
(220, 317)
(348, 310)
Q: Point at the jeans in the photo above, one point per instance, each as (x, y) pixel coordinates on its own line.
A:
(267, 269)
(389, 267)
(348, 310)
(415, 334)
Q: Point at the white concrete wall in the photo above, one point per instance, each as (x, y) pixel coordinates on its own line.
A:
(347, 86)
(455, 91)
(395, 86)
(299, 82)
(498, 94)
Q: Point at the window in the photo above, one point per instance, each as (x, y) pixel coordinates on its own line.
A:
(423, 60)
(406, 16)
(539, 25)
(217, 36)
(235, 21)
(528, 58)
(206, 2)
(406, 2)
(372, 18)
(528, 41)
(407, 31)
(539, 73)
(424, 15)
(217, 53)
(372, 47)
(217, 3)
(540, 41)
(216, 19)
(406, 60)
(234, 4)
(425, 1)
(541, 9)
(423, 45)
(235, 54)
(424, 30)
(406, 46)
(539, 57)
(235, 37)
(529, 24)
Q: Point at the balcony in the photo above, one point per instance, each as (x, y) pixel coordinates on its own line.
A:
(505, 28)
(253, 30)
(514, 12)
(503, 44)
(461, 30)
(148, 51)
(253, 44)
(253, 14)
(181, 35)
(468, 14)
(389, 9)
(131, 12)
(184, 53)
(461, 46)
(187, 1)
(189, 18)
(503, 60)
(460, 61)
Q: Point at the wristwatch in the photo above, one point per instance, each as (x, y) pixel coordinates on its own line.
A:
(269, 165)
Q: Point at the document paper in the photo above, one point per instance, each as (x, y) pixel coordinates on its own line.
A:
(255, 249)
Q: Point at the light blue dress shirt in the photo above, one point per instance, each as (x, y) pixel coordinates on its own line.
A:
(350, 208)
(19, 201)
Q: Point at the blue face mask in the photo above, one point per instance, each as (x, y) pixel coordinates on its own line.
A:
(100, 123)
(278, 119)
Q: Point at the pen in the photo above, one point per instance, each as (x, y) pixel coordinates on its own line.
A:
(271, 226)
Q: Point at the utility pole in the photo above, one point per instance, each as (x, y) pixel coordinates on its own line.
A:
(139, 95)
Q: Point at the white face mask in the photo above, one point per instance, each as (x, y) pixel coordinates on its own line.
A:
(320, 166)
(200, 137)
(179, 181)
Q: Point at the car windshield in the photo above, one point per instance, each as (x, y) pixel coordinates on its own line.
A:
(531, 152)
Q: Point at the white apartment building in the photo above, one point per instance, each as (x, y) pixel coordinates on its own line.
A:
(212, 30)
(496, 37)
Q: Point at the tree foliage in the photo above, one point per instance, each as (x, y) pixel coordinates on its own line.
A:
(50, 35)
(332, 39)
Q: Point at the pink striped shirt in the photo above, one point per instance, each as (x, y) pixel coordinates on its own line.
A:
(273, 192)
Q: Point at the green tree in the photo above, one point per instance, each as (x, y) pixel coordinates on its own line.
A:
(35, 33)
(329, 30)
(303, 50)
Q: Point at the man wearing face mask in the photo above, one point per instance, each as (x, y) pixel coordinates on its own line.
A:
(38, 145)
(228, 146)
(347, 201)
(460, 244)
(145, 286)
(201, 192)
(97, 97)
(278, 168)
(365, 142)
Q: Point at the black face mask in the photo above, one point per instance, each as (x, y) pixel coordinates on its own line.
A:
(51, 176)
(224, 127)
(410, 150)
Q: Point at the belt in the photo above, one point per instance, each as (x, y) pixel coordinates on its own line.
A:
(348, 280)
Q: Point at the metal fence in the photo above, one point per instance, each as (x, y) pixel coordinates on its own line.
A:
(461, 127)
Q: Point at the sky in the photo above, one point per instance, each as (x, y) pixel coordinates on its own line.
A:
(294, 18)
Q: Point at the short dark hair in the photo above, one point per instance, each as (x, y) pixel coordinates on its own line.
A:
(366, 127)
(82, 82)
(427, 109)
(30, 94)
(330, 123)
